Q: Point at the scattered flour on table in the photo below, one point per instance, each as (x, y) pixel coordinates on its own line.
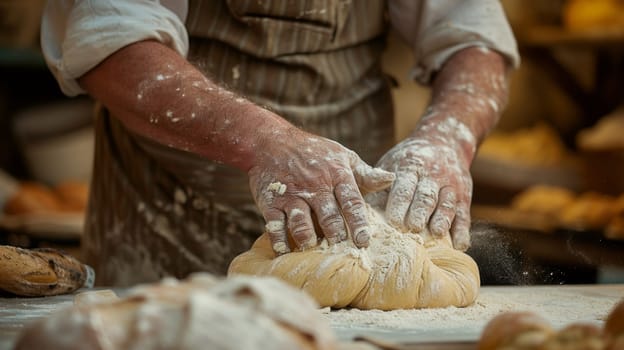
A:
(559, 305)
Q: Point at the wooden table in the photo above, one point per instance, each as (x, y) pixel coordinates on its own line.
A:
(447, 328)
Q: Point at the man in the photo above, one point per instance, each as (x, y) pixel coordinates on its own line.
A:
(186, 132)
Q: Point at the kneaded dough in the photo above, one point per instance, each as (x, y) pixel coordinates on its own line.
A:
(397, 271)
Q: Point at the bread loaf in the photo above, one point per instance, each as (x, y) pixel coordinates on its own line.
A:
(202, 312)
(31, 198)
(73, 195)
(36, 198)
(41, 272)
(528, 331)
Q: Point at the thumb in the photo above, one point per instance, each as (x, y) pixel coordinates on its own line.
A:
(371, 179)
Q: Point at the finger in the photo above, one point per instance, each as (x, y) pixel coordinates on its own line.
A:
(377, 199)
(460, 231)
(370, 179)
(354, 212)
(423, 205)
(400, 197)
(442, 218)
(276, 229)
(299, 223)
(329, 218)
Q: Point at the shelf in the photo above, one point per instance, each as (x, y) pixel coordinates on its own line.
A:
(21, 57)
(549, 36)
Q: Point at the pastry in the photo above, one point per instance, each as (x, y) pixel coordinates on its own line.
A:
(615, 228)
(576, 337)
(543, 199)
(528, 331)
(515, 330)
(614, 327)
(41, 272)
(32, 197)
(397, 271)
(590, 210)
(73, 195)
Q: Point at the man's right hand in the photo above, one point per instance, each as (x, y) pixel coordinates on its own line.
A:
(299, 178)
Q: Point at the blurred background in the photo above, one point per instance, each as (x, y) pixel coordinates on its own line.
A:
(548, 202)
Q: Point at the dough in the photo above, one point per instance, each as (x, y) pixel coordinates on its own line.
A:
(397, 271)
(199, 313)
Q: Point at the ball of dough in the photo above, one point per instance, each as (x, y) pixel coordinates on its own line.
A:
(397, 271)
(199, 313)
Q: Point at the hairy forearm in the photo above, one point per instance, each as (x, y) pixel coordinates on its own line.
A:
(472, 89)
(156, 93)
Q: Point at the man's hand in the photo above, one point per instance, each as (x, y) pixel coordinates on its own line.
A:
(301, 181)
(433, 188)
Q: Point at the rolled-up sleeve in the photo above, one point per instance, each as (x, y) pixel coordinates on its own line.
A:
(76, 35)
(437, 29)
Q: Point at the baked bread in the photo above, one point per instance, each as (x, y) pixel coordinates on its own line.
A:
(73, 195)
(41, 272)
(543, 199)
(201, 312)
(397, 271)
(515, 330)
(576, 336)
(31, 198)
(528, 331)
(36, 198)
(615, 228)
(614, 328)
(590, 210)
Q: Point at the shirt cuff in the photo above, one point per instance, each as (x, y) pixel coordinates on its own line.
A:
(96, 29)
(467, 26)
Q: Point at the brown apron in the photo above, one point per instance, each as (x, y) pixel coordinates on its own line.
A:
(157, 212)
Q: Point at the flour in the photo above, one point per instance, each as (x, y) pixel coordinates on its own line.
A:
(560, 305)
(390, 251)
(277, 187)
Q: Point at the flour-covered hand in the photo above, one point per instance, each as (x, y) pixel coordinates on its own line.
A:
(433, 186)
(301, 181)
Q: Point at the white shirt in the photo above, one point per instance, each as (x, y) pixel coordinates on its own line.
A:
(76, 35)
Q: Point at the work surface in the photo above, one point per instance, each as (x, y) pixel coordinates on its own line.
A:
(560, 305)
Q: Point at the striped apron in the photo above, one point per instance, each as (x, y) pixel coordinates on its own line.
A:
(155, 211)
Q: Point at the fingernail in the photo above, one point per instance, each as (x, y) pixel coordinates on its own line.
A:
(280, 248)
(438, 228)
(308, 244)
(362, 237)
(462, 243)
(341, 236)
(387, 176)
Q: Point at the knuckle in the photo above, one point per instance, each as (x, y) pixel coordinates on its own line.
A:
(331, 220)
(427, 198)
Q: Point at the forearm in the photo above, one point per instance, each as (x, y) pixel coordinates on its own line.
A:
(158, 94)
(468, 96)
